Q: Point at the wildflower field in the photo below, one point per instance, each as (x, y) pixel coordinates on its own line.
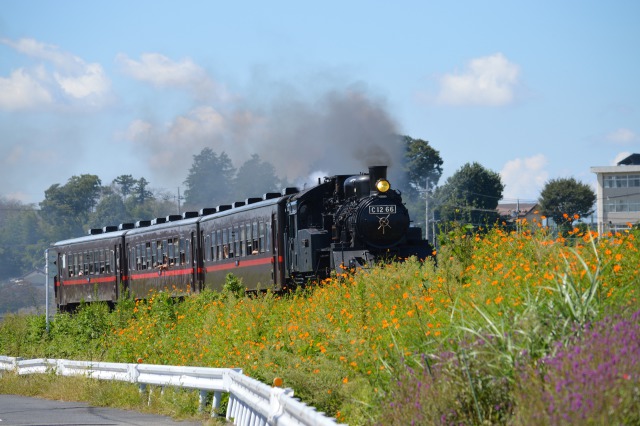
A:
(511, 327)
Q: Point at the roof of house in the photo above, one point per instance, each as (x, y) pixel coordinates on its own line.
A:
(510, 209)
(632, 160)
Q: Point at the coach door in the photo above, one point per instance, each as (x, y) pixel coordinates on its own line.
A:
(193, 262)
(120, 271)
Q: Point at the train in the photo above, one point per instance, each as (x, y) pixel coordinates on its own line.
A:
(276, 242)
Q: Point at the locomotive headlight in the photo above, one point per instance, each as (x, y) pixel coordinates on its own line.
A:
(383, 185)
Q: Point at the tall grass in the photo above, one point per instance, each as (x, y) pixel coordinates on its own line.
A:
(410, 342)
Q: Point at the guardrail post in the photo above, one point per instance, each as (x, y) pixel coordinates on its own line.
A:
(215, 405)
(202, 401)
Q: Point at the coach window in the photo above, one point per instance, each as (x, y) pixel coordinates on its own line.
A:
(146, 255)
(242, 241)
(170, 251)
(67, 266)
(225, 241)
(88, 262)
(176, 250)
(255, 238)
(267, 235)
(238, 233)
(72, 264)
(187, 250)
(236, 240)
(214, 247)
(218, 245)
(207, 252)
(163, 256)
(100, 268)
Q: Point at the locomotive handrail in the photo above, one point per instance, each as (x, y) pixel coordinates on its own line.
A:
(250, 402)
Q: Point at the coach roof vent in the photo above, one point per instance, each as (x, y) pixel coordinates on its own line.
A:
(173, 217)
(207, 211)
(290, 190)
(109, 228)
(158, 220)
(143, 223)
(124, 226)
(252, 200)
(238, 204)
(188, 215)
(223, 208)
(95, 231)
(270, 195)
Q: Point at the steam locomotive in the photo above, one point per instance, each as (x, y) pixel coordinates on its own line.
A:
(276, 241)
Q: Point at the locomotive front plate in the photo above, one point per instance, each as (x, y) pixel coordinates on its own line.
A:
(382, 209)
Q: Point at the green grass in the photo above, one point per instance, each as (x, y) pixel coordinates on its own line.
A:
(497, 301)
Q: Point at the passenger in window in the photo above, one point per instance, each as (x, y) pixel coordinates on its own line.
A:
(165, 263)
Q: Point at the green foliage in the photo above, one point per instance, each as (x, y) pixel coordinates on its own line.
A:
(563, 198)
(209, 179)
(470, 195)
(422, 163)
(111, 210)
(233, 285)
(254, 178)
(67, 208)
(126, 183)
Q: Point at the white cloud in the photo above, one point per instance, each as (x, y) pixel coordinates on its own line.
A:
(524, 177)
(619, 157)
(169, 146)
(92, 82)
(163, 72)
(70, 80)
(22, 91)
(490, 80)
(622, 137)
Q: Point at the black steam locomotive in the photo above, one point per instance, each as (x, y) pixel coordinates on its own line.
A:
(275, 242)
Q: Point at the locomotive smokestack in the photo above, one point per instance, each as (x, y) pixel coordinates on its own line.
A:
(375, 174)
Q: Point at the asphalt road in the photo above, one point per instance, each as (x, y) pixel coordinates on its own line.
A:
(22, 410)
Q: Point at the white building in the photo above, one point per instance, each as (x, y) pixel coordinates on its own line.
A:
(618, 194)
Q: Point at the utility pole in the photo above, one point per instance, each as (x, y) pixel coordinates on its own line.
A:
(179, 198)
(426, 209)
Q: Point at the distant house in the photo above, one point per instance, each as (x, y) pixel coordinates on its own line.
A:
(618, 194)
(513, 211)
(35, 278)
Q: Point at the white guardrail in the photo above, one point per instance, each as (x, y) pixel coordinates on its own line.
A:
(250, 401)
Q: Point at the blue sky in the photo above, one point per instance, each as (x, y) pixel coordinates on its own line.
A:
(532, 90)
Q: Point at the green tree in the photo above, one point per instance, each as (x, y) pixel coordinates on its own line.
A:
(470, 195)
(140, 192)
(126, 183)
(422, 164)
(109, 211)
(254, 178)
(209, 180)
(21, 238)
(561, 199)
(66, 208)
